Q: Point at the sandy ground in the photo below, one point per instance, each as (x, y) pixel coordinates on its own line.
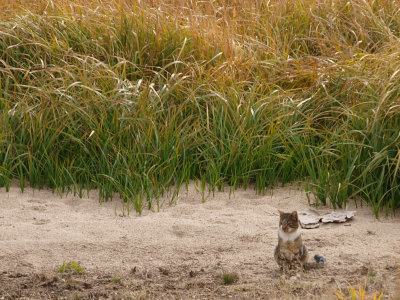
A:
(182, 250)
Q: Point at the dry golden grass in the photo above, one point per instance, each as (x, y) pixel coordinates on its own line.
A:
(155, 93)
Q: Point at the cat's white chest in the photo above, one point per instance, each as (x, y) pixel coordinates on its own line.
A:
(289, 237)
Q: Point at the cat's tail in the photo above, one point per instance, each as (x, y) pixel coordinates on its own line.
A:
(319, 262)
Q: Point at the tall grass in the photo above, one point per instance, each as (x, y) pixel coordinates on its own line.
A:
(137, 97)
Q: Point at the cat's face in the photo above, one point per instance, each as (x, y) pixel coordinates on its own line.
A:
(288, 222)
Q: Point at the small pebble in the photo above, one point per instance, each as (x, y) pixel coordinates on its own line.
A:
(319, 259)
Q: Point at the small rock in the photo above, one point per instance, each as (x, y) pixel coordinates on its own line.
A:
(87, 285)
(163, 271)
(320, 259)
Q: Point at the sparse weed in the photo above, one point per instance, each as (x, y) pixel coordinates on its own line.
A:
(71, 267)
(359, 294)
(116, 279)
(229, 278)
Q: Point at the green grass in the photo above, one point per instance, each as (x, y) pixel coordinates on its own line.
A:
(138, 99)
(71, 267)
(229, 278)
(116, 279)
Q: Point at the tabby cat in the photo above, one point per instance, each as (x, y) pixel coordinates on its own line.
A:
(290, 251)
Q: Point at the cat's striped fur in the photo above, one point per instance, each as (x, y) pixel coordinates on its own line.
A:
(290, 250)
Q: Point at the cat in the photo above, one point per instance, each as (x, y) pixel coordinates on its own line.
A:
(290, 251)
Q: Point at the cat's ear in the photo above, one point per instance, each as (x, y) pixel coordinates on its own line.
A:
(294, 215)
(281, 213)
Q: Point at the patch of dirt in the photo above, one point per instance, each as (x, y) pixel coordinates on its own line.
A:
(183, 250)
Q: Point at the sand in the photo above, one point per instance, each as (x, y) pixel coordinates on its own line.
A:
(181, 250)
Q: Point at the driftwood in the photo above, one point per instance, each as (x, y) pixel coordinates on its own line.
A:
(311, 219)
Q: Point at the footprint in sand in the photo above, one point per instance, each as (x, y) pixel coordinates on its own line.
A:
(40, 221)
(178, 231)
(251, 196)
(39, 208)
(38, 201)
(37, 204)
(218, 221)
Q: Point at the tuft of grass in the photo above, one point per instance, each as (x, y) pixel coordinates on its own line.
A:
(116, 279)
(358, 294)
(229, 278)
(71, 267)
